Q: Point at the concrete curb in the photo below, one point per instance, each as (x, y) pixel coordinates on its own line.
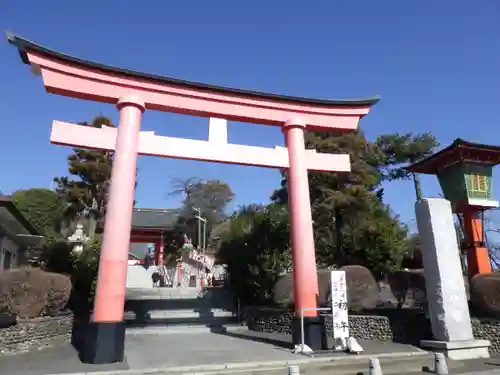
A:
(248, 366)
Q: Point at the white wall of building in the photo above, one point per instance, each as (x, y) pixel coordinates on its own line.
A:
(9, 253)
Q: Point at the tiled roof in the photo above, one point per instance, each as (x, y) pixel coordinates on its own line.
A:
(139, 249)
(17, 216)
(154, 218)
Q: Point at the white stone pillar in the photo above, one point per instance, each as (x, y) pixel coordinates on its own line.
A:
(446, 296)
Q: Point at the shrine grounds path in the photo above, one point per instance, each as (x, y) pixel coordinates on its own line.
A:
(165, 352)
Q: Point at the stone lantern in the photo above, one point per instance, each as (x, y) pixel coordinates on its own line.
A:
(78, 239)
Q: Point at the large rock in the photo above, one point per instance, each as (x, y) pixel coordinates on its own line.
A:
(362, 289)
(485, 293)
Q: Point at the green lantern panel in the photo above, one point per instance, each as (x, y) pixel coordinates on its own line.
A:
(464, 181)
(478, 181)
(452, 183)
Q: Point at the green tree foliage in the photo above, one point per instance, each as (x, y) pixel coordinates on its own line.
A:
(211, 197)
(255, 248)
(85, 191)
(84, 269)
(351, 223)
(413, 259)
(402, 150)
(42, 208)
(376, 240)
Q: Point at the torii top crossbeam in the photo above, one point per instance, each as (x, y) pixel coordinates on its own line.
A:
(71, 76)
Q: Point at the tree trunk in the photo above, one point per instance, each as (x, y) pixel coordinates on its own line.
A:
(418, 187)
(93, 219)
(338, 234)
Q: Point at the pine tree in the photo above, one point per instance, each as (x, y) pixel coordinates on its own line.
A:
(402, 150)
(85, 191)
(352, 225)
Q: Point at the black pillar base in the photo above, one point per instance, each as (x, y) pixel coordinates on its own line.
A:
(314, 332)
(104, 343)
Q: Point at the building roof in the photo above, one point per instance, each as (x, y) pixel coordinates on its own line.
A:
(7, 203)
(13, 221)
(459, 151)
(153, 218)
(24, 45)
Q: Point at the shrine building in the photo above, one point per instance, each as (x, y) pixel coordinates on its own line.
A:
(150, 226)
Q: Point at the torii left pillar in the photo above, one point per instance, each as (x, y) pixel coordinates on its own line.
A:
(105, 342)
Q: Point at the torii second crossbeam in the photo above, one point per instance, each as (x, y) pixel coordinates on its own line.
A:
(216, 149)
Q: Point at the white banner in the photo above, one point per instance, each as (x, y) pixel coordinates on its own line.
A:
(339, 308)
(203, 259)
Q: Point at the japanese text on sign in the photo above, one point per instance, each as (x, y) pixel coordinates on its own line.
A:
(339, 305)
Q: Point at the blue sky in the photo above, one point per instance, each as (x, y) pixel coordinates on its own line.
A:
(436, 65)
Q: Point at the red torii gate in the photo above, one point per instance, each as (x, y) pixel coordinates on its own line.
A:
(132, 93)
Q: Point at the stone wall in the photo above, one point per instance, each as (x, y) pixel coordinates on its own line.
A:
(403, 326)
(36, 334)
(487, 329)
(280, 321)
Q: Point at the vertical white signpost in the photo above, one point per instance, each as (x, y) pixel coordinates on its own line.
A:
(339, 309)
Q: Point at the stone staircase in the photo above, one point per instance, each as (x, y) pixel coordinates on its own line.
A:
(179, 310)
(138, 277)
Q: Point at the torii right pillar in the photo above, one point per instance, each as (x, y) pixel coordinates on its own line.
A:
(305, 277)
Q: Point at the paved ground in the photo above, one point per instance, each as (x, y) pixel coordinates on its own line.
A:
(49, 361)
(163, 351)
(160, 351)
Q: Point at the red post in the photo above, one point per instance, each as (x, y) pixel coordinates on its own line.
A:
(159, 251)
(305, 276)
(478, 259)
(179, 273)
(105, 343)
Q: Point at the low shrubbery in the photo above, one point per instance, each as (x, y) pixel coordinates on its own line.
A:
(32, 292)
(408, 287)
(65, 279)
(255, 249)
(84, 276)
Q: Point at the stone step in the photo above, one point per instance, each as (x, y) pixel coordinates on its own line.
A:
(184, 329)
(149, 299)
(182, 314)
(138, 277)
(162, 293)
(182, 304)
(173, 322)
